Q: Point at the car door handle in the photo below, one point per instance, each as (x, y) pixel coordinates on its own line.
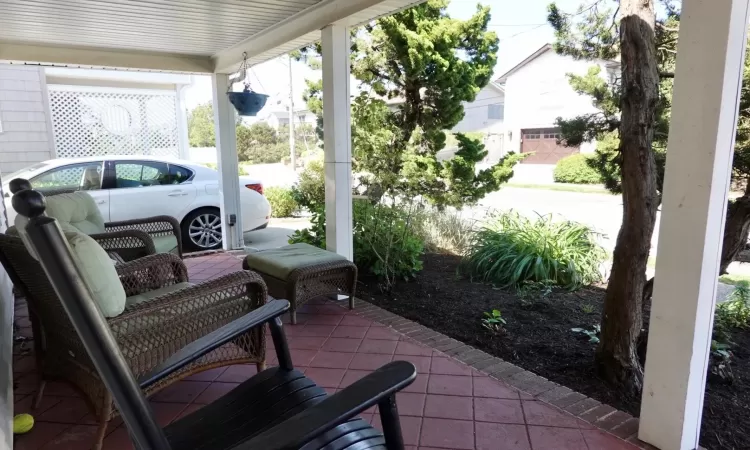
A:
(101, 202)
(177, 193)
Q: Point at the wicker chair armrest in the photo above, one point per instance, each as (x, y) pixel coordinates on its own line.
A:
(151, 272)
(156, 225)
(173, 320)
(374, 389)
(214, 340)
(112, 241)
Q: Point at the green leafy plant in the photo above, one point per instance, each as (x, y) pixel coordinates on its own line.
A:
(593, 333)
(494, 321)
(511, 250)
(310, 190)
(587, 308)
(721, 359)
(385, 242)
(281, 200)
(576, 169)
(735, 312)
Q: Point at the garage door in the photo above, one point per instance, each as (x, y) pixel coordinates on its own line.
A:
(542, 142)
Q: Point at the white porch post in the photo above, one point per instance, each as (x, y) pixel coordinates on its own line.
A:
(701, 140)
(226, 153)
(337, 140)
(183, 140)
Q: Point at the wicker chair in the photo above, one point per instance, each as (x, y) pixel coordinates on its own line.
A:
(146, 332)
(129, 239)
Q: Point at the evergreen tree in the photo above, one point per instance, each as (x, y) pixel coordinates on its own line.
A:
(592, 38)
(415, 69)
(632, 108)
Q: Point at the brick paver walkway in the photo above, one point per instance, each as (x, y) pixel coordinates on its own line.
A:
(449, 406)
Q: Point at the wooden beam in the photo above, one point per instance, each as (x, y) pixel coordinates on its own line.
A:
(102, 58)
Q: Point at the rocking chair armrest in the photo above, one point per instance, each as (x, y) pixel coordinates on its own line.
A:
(151, 272)
(113, 241)
(214, 340)
(336, 409)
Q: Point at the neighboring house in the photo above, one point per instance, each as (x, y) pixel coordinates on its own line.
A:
(48, 113)
(483, 115)
(278, 118)
(537, 92)
(486, 114)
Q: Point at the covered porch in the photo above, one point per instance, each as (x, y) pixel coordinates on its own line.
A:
(212, 37)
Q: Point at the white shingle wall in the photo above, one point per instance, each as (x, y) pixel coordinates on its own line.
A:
(25, 138)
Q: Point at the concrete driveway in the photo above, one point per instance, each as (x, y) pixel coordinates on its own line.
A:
(275, 235)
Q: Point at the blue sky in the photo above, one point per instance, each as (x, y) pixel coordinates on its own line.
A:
(521, 26)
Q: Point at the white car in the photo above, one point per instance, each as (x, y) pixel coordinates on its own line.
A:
(134, 187)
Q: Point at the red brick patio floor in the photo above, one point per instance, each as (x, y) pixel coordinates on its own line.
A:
(449, 406)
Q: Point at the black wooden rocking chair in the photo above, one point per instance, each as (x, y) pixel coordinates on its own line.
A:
(278, 408)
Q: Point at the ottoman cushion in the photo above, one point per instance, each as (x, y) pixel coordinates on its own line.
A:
(280, 262)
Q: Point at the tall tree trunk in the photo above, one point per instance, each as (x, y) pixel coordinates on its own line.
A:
(736, 229)
(617, 357)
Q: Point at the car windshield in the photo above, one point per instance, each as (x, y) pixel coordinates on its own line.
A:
(31, 168)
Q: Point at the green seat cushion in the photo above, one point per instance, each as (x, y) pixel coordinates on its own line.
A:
(78, 209)
(165, 244)
(150, 295)
(280, 262)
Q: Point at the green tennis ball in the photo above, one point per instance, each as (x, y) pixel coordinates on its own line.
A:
(23, 423)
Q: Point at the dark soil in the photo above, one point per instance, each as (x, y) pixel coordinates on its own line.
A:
(538, 338)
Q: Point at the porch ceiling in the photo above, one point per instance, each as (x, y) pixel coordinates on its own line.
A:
(171, 35)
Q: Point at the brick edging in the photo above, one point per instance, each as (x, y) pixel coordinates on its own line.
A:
(604, 417)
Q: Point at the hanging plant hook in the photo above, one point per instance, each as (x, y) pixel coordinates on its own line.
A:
(247, 102)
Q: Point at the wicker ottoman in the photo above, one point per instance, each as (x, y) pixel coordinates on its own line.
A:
(299, 272)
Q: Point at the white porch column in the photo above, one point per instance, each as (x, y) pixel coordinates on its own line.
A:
(183, 140)
(337, 140)
(226, 152)
(701, 140)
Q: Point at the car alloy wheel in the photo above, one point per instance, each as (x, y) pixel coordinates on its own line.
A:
(205, 230)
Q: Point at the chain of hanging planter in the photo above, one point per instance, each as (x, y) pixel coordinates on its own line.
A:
(247, 102)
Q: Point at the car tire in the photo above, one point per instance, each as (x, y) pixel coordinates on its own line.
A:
(201, 230)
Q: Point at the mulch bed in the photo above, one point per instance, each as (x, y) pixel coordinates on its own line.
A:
(538, 338)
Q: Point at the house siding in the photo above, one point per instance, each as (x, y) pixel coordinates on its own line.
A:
(26, 137)
(539, 92)
(476, 113)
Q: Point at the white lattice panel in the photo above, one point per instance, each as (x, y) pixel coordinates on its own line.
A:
(104, 121)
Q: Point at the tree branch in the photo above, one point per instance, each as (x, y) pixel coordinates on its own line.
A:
(666, 74)
(666, 28)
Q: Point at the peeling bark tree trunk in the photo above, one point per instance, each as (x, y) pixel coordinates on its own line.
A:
(617, 357)
(735, 230)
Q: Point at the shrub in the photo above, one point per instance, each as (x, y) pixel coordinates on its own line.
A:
(385, 243)
(310, 190)
(733, 313)
(511, 250)
(281, 200)
(444, 231)
(576, 169)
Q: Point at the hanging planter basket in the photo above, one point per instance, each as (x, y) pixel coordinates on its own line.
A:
(247, 102)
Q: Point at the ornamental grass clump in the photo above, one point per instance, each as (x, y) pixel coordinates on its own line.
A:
(511, 250)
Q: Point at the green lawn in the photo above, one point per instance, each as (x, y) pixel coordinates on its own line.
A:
(734, 279)
(567, 187)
